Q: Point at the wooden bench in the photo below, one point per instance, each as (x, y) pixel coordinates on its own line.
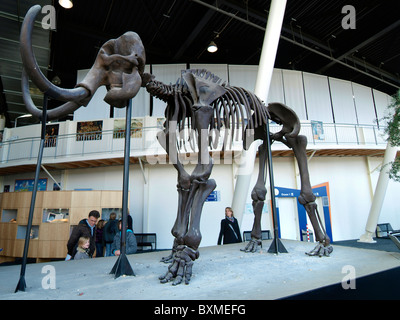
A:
(146, 240)
(265, 235)
(383, 230)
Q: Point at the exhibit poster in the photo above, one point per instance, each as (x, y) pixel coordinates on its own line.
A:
(89, 130)
(119, 128)
(27, 185)
(317, 130)
(51, 135)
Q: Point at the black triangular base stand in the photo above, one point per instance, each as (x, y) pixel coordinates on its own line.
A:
(277, 247)
(122, 267)
(21, 284)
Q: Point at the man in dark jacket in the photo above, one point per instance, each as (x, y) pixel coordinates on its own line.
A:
(85, 228)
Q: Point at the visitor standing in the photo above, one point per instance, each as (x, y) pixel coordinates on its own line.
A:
(131, 244)
(230, 230)
(85, 228)
(99, 238)
(109, 232)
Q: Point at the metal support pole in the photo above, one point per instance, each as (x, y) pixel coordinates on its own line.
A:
(276, 245)
(264, 76)
(122, 266)
(21, 286)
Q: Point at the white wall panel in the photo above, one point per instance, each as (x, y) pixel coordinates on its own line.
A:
(168, 74)
(276, 93)
(243, 76)
(294, 92)
(246, 76)
(342, 101)
(364, 104)
(382, 100)
(97, 108)
(318, 101)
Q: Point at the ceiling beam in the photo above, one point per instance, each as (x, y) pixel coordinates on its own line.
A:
(293, 41)
(361, 45)
(195, 32)
(285, 27)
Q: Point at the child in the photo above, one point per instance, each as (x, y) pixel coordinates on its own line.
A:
(82, 251)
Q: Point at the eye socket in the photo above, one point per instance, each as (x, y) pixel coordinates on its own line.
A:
(196, 107)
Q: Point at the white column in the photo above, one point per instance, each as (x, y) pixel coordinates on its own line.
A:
(379, 196)
(264, 76)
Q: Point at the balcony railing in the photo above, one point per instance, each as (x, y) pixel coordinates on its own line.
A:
(110, 143)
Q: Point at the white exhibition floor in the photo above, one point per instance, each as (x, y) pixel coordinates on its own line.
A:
(221, 273)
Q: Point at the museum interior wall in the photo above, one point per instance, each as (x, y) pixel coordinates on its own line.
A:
(153, 195)
(311, 96)
(344, 109)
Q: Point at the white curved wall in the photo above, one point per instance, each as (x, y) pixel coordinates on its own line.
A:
(311, 96)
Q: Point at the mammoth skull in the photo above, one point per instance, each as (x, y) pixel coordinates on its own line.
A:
(119, 66)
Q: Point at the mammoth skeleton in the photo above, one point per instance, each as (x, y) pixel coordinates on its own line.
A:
(198, 100)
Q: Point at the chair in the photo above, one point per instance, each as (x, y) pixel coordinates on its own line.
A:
(145, 240)
(383, 230)
(395, 240)
(265, 235)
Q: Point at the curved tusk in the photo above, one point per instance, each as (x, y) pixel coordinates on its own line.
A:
(56, 113)
(32, 68)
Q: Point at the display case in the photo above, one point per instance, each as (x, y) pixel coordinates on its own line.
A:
(9, 215)
(55, 214)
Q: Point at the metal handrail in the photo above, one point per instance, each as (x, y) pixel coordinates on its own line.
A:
(144, 140)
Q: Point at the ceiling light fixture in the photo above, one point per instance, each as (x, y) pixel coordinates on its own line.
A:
(67, 4)
(212, 47)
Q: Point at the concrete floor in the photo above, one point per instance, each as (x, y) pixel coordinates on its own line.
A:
(221, 273)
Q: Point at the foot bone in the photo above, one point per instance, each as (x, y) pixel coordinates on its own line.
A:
(253, 245)
(181, 266)
(321, 250)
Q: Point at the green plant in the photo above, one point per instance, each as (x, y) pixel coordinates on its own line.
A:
(393, 132)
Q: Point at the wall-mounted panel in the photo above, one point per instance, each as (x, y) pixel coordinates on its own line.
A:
(318, 100)
(364, 104)
(342, 101)
(243, 76)
(168, 74)
(246, 77)
(276, 93)
(97, 108)
(382, 100)
(294, 92)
